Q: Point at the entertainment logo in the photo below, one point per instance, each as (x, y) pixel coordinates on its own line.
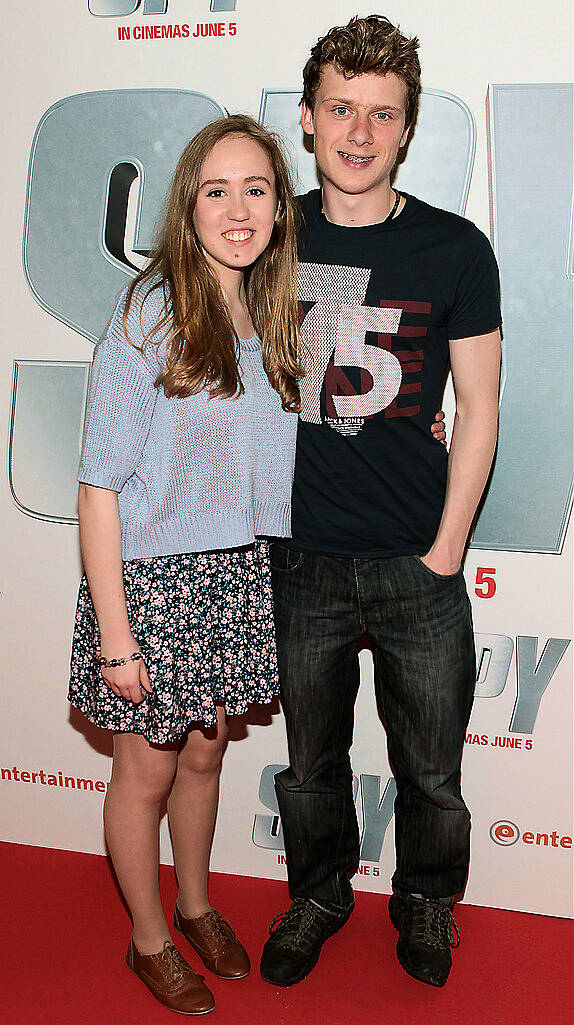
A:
(506, 833)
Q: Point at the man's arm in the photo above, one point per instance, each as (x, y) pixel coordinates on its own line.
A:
(475, 364)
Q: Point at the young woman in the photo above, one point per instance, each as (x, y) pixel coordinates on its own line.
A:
(186, 468)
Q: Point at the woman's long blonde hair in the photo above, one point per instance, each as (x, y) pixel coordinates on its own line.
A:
(201, 342)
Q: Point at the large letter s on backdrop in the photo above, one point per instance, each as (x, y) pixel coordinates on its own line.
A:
(78, 145)
(120, 8)
(89, 153)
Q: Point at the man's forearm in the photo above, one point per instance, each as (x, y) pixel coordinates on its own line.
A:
(470, 459)
(475, 364)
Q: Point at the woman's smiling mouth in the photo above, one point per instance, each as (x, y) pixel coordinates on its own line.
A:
(237, 235)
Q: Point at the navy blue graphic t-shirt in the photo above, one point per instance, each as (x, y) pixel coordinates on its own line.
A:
(379, 305)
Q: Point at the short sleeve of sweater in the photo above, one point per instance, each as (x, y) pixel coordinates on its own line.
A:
(476, 307)
(121, 401)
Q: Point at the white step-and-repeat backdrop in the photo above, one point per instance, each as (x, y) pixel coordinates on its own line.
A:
(100, 98)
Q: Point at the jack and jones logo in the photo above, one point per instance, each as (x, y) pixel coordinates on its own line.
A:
(506, 833)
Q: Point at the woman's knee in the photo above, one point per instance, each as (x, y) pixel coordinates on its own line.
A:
(203, 752)
(202, 759)
(146, 771)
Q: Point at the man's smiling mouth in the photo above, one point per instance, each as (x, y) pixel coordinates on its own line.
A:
(354, 159)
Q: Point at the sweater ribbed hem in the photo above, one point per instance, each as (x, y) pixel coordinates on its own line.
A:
(207, 530)
(100, 478)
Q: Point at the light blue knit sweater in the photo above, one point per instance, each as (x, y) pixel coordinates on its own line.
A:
(193, 474)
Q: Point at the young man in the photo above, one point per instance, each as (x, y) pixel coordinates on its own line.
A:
(393, 292)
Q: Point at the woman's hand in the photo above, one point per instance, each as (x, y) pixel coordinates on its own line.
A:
(437, 428)
(130, 681)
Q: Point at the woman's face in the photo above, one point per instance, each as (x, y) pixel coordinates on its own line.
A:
(236, 204)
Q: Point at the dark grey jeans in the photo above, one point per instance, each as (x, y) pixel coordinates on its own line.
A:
(420, 627)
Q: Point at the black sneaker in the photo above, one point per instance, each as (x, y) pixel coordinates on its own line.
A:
(427, 931)
(295, 940)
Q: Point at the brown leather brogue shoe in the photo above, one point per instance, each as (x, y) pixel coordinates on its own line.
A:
(215, 942)
(171, 980)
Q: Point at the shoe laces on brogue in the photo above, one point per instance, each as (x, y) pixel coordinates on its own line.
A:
(175, 966)
(433, 924)
(216, 927)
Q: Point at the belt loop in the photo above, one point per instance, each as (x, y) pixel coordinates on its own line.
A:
(361, 617)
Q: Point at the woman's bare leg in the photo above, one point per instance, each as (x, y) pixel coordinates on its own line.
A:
(192, 809)
(141, 779)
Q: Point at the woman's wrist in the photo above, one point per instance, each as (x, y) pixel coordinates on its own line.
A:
(114, 663)
(117, 644)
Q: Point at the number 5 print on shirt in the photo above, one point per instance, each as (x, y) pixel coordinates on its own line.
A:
(347, 321)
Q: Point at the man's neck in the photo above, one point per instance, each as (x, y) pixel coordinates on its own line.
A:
(357, 211)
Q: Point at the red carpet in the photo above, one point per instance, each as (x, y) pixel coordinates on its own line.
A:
(65, 932)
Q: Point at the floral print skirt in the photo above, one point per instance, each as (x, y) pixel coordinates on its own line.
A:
(204, 622)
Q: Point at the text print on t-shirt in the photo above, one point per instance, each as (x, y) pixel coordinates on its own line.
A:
(334, 335)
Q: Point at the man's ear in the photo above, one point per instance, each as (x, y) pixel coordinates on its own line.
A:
(307, 119)
(404, 136)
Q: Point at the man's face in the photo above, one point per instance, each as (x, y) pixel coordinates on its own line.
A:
(359, 127)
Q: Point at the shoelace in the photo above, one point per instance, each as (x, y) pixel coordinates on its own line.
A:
(432, 922)
(218, 928)
(299, 923)
(176, 965)
(295, 914)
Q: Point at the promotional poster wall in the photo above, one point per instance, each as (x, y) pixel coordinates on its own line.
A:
(100, 99)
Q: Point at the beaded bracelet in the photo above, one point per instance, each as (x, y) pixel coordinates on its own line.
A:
(111, 663)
